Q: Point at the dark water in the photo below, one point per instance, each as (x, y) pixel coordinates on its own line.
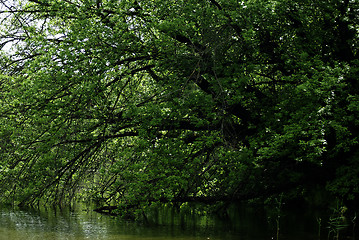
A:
(241, 223)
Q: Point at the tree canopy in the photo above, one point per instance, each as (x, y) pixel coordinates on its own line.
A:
(139, 101)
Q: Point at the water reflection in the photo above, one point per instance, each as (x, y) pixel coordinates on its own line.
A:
(21, 224)
(46, 225)
(241, 224)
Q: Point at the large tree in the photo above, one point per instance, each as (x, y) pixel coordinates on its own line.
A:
(199, 100)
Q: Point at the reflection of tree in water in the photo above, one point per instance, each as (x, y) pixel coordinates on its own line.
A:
(49, 223)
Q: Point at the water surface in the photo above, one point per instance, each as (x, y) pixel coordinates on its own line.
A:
(249, 224)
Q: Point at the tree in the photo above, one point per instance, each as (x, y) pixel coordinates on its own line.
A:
(141, 101)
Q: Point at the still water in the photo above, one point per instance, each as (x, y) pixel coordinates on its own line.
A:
(81, 225)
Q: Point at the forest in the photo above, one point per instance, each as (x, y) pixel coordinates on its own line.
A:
(130, 103)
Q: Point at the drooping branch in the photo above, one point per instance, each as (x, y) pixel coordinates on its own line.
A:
(98, 139)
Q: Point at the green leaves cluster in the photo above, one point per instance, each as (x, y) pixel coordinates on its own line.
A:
(137, 102)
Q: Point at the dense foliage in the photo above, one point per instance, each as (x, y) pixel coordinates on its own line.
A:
(140, 101)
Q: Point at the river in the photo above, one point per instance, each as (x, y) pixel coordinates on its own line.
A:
(245, 224)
